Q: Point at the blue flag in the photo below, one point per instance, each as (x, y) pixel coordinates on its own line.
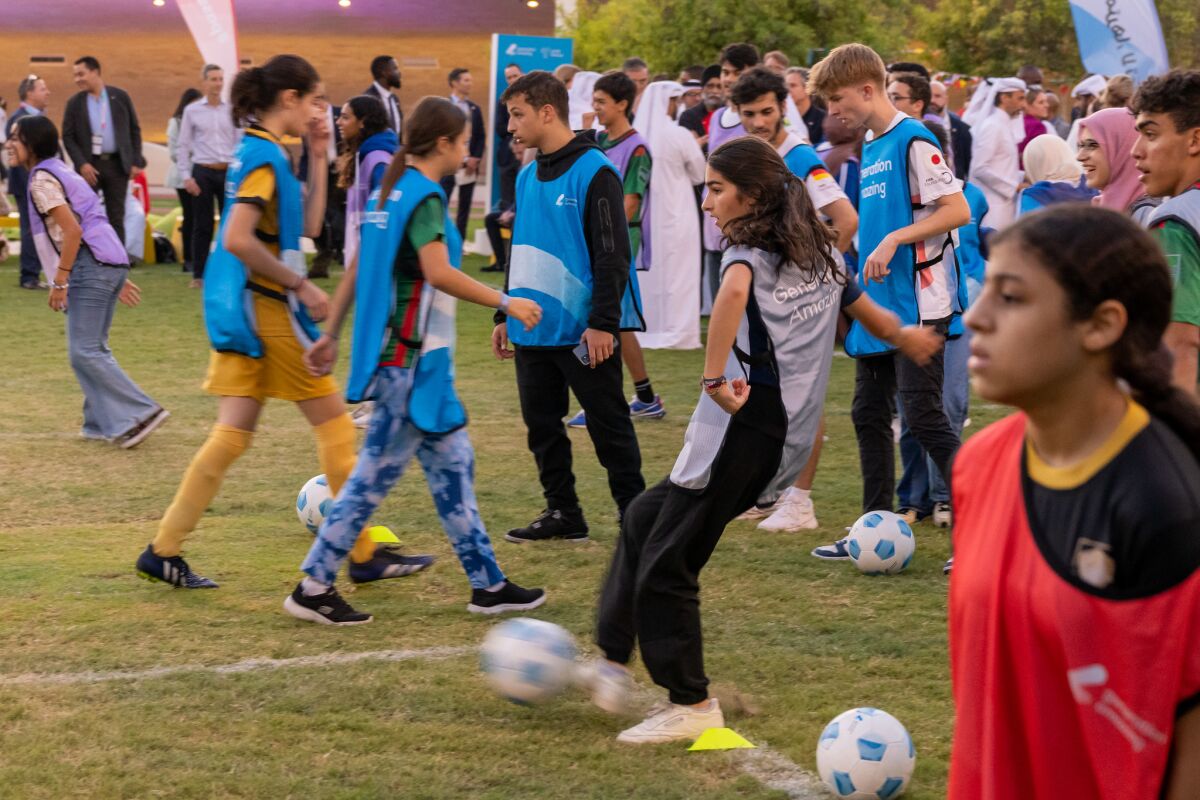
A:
(1120, 37)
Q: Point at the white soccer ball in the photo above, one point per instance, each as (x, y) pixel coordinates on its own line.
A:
(866, 753)
(528, 660)
(313, 503)
(881, 543)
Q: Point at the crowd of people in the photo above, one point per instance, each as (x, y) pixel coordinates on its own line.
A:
(1059, 275)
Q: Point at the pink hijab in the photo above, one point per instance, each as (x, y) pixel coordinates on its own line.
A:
(1114, 129)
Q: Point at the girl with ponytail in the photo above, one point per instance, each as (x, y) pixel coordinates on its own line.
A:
(261, 311)
(1075, 598)
(405, 282)
(770, 345)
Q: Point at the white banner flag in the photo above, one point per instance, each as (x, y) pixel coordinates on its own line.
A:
(215, 31)
(1120, 37)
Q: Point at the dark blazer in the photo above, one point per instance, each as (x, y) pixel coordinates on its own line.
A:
(504, 155)
(478, 134)
(77, 130)
(960, 143)
(371, 90)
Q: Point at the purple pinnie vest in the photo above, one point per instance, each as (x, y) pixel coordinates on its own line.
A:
(717, 136)
(620, 154)
(98, 234)
(356, 199)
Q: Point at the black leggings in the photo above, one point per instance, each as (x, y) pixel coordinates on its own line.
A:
(667, 536)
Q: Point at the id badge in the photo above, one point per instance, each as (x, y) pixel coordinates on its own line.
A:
(97, 143)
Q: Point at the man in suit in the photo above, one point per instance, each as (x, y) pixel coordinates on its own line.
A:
(101, 133)
(507, 164)
(330, 243)
(35, 96)
(960, 132)
(460, 95)
(386, 86)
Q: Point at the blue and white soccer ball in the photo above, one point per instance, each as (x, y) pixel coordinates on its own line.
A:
(881, 543)
(528, 660)
(866, 753)
(313, 503)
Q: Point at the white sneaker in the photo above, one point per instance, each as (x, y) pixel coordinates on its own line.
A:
(943, 515)
(672, 723)
(793, 512)
(361, 415)
(610, 685)
(754, 512)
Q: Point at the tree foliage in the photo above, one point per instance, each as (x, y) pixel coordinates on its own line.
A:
(992, 37)
(671, 34)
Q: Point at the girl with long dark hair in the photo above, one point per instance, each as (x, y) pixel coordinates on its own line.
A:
(405, 286)
(770, 346)
(1075, 598)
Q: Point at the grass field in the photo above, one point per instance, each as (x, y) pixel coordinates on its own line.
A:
(798, 640)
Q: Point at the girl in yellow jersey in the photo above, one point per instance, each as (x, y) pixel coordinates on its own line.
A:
(261, 310)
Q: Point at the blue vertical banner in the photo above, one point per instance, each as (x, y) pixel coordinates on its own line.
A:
(1120, 37)
(528, 53)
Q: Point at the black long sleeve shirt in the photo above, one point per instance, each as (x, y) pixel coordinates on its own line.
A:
(604, 228)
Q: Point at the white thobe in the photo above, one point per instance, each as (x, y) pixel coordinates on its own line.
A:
(995, 167)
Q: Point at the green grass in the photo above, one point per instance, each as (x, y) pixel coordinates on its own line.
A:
(799, 640)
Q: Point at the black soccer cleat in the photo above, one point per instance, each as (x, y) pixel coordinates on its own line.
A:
(552, 524)
(173, 570)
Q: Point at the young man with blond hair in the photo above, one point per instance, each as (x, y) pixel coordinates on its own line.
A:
(910, 203)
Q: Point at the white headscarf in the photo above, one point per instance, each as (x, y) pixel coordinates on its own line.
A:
(1093, 84)
(651, 118)
(579, 97)
(983, 102)
(1047, 158)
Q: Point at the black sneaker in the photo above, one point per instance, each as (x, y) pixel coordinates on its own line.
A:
(327, 609)
(388, 562)
(173, 570)
(552, 524)
(948, 567)
(508, 597)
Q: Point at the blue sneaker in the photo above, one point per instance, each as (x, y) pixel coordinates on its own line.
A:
(578, 421)
(388, 562)
(833, 552)
(173, 570)
(653, 410)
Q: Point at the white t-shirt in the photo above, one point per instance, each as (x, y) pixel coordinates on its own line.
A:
(929, 178)
(821, 186)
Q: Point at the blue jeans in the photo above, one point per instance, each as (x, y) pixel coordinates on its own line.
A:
(391, 442)
(112, 403)
(922, 484)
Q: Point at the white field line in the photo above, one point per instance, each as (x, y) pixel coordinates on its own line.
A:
(767, 766)
(249, 665)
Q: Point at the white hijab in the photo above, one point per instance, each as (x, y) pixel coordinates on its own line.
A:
(1047, 158)
(579, 97)
(651, 120)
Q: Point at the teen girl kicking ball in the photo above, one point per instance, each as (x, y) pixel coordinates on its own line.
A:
(402, 358)
(260, 311)
(775, 315)
(1075, 598)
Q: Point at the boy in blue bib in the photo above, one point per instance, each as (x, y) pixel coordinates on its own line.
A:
(910, 204)
(570, 254)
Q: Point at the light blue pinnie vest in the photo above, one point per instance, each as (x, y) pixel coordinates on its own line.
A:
(550, 262)
(228, 286)
(433, 404)
(885, 205)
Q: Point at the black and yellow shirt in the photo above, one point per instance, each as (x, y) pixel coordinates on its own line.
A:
(259, 189)
(1124, 522)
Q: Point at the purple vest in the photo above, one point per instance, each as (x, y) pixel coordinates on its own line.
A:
(98, 234)
(620, 154)
(717, 136)
(356, 198)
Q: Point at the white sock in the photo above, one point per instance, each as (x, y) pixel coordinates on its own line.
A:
(311, 587)
(495, 587)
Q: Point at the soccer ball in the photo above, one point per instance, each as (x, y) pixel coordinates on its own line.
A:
(881, 543)
(865, 753)
(313, 503)
(528, 660)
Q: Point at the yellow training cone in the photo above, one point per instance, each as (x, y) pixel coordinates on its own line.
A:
(382, 535)
(720, 739)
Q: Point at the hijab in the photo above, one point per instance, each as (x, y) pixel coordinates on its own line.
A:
(1113, 129)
